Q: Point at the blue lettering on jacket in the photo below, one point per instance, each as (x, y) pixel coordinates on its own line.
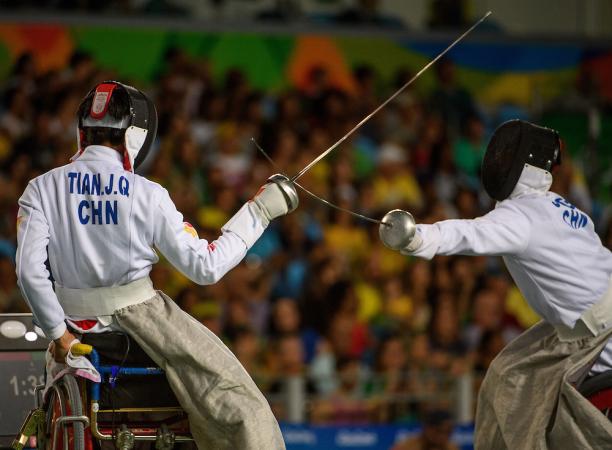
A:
(572, 216)
(560, 201)
(72, 177)
(124, 186)
(111, 212)
(95, 184)
(85, 190)
(82, 217)
(109, 187)
(97, 212)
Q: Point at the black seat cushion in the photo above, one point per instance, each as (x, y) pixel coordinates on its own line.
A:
(139, 391)
(112, 348)
(596, 383)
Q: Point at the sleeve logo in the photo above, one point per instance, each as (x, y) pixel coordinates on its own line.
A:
(572, 216)
(189, 229)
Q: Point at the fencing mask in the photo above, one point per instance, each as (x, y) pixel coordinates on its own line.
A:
(514, 144)
(134, 119)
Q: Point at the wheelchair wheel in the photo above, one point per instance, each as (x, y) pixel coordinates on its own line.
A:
(64, 400)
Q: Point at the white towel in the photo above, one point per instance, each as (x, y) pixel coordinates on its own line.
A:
(78, 366)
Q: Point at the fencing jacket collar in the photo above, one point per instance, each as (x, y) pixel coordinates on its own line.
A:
(533, 180)
(100, 153)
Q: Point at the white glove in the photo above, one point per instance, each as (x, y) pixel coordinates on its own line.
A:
(398, 232)
(277, 197)
(415, 244)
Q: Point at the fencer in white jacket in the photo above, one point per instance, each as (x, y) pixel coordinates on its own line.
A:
(548, 245)
(100, 226)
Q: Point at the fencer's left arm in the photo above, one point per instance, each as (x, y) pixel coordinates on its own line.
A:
(204, 262)
(506, 230)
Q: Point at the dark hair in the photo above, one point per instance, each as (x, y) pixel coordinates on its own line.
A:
(118, 108)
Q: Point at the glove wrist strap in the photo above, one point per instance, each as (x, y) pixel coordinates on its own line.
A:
(248, 223)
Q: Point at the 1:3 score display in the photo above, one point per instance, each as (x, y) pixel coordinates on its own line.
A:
(26, 386)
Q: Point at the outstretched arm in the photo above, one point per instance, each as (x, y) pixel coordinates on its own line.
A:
(503, 231)
(206, 262)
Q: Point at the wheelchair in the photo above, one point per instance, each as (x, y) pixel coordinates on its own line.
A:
(598, 390)
(132, 405)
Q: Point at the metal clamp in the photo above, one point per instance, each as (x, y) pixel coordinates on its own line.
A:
(165, 438)
(60, 421)
(125, 439)
(35, 419)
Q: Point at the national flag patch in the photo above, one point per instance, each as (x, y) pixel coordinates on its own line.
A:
(189, 229)
(101, 100)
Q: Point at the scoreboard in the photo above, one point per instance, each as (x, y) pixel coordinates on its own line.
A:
(22, 367)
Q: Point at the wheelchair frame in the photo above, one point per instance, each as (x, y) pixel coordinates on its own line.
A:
(124, 438)
(113, 372)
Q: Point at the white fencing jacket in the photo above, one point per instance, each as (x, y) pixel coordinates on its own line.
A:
(98, 225)
(549, 246)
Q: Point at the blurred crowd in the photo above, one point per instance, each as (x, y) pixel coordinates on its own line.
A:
(373, 335)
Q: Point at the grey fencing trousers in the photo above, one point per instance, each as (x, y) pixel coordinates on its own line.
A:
(528, 401)
(226, 410)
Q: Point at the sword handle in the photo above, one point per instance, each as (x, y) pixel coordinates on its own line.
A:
(81, 349)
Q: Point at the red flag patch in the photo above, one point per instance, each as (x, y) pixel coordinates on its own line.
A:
(101, 100)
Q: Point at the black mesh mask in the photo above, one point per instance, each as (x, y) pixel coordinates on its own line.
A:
(514, 144)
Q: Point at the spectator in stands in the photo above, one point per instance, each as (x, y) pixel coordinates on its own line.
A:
(488, 317)
(395, 183)
(390, 380)
(470, 149)
(448, 348)
(449, 99)
(248, 349)
(347, 405)
(286, 319)
(420, 368)
(286, 360)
